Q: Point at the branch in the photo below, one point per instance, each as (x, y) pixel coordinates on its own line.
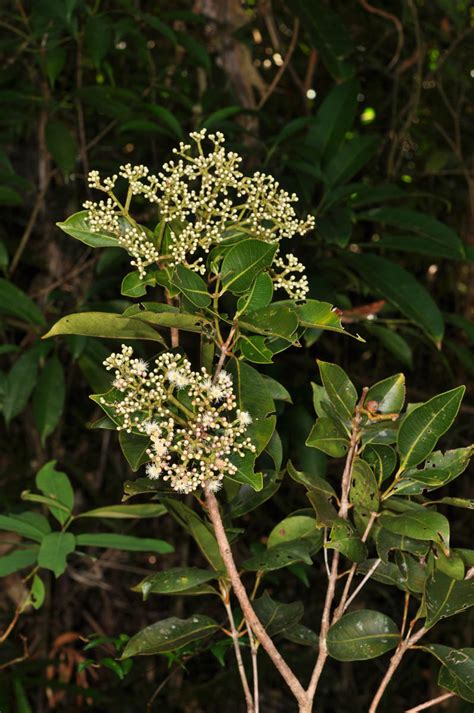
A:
(248, 611)
(238, 653)
(394, 664)
(432, 702)
(282, 68)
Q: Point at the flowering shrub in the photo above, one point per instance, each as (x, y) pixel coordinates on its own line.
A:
(201, 417)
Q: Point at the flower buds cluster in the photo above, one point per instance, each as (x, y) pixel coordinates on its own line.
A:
(194, 427)
(203, 197)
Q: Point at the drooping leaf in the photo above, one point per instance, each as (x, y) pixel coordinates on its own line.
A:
(446, 597)
(421, 524)
(18, 559)
(277, 617)
(104, 324)
(321, 315)
(48, 397)
(328, 436)
(20, 383)
(457, 673)
(143, 510)
(169, 634)
(134, 447)
(174, 580)
(15, 303)
(312, 481)
(362, 635)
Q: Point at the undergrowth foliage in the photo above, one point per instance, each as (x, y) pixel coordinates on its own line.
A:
(193, 405)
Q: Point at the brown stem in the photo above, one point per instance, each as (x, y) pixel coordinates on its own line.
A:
(224, 352)
(429, 704)
(395, 661)
(282, 68)
(254, 654)
(246, 605)
(238, 653)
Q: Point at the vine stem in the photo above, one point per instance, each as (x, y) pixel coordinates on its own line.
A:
(248, 611)
(238, 653)
(395, 661)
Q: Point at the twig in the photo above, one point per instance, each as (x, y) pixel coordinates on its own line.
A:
(361, 584)
(18, 659)
(246, 605)
(238, 654)
(224, 352)
(283, 66)
(432, 702)
(254, 654)
(398, 26)
(395, 661)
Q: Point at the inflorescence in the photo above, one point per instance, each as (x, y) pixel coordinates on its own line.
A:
(203, 198)
(194, 427)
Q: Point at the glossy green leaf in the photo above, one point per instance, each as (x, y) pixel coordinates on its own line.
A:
(382, 459)
(251, 390)
(254, 349)
(312, 481)
(77, 227)
(20, 383)
(362, 635)
(169, 634)
(56, 485)
(388, 393)
(296, 527)
(393, 343)
(259, 295)
(345, 539)
(339, 388)
(446, 597)
(135, 286)
(457, 673)
(421, 524)
(174, 580)
(329, 437)
(413, 572)
(282, 555)
(387, 541)
(245, 473)
(243, 262)
(402, 290)
(37, 592)
(364, 493)
(104, 324)
(48, 397)
(321, 315)
(425, 424)
(324, 510)
(127, 543)
(54, 550)
(349, 159)
(180, 320)
(277, 617)
(134, 447)
(15, 303)
(192, 286)
(31, 525)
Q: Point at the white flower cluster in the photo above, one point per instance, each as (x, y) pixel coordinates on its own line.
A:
(295, 287)
(204, 192)
(192, 421)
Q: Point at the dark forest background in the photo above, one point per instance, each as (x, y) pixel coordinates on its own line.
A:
(366, 111)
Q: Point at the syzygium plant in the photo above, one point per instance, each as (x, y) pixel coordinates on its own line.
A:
(200, 416)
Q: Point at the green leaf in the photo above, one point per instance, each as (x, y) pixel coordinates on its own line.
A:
(421, 524)
(388, 393)
(135, 286)
(37, 592)
(402, 290)
(277, 320)
(174, 580)
(203, 536)
(328, 35)
(457, 674)
(180, 320)
(425, 424)
(387, 541)
(169, 634)
(56, 485)
(134, 447)
(98, 37)
(364, 492)
(446, 597)
(54, 549)
(77, 227)
(278, 557)
(413, 573)
(259, 295)
(326, 514)
(333, 119)
(20, 383)
(340, 390)
(251, 389)
(312, 481)
(335, 227)
(218, 117)
(254, 349)
(362, 635)
(104, 324)
(321, 315)
(393, 343)
(300, 634)
(167, 119)
(277, 617)
(15, 303)
(329, 437)
(127, 543)
(192, 286)
(382, 460)
(296, 527)
(243, 262)
(431, 236)
(247, 499)
(19, 559)
(48, 397)
(245, 471)
(143, 510)
(61, 145)
(31, 525)
(349, 159)
(345, 539)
